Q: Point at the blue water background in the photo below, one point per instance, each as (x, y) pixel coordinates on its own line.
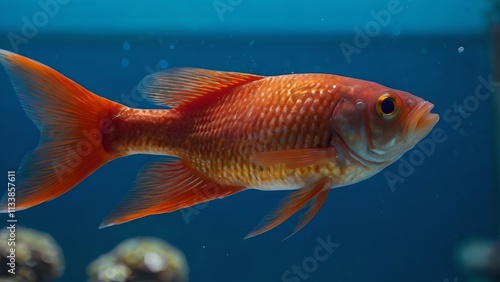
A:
(406, 234)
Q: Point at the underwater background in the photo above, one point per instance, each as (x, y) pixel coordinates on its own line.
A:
(403, 224)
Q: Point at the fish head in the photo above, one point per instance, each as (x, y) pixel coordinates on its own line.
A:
(378, 124)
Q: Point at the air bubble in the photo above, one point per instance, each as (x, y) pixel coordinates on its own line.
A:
(461, 49)
(124, 62)
(163, 64)
(126, 45)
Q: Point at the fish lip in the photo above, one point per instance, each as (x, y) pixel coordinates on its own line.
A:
(420, 122)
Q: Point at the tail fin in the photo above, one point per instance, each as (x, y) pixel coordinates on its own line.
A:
(71, 120)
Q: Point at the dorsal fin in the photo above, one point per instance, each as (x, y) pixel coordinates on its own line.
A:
(179, 86)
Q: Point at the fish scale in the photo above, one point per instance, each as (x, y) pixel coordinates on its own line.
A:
(222, 136)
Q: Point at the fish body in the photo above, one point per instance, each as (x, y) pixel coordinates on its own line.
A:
(229, 132)
(221, 138)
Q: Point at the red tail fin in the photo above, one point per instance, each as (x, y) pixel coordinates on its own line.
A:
(71, 120)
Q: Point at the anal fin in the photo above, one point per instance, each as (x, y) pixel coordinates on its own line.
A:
(314, 194)
(166, 186)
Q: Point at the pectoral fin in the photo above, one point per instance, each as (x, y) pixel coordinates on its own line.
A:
(294, 158)
(315, 195)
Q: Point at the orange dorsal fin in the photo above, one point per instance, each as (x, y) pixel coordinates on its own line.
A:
(166, 186)
(315, 194)
(180, 86)
(295, 158)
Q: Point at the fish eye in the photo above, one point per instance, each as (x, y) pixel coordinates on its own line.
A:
(388, 106)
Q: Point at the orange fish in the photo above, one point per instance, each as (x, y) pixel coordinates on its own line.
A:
(229, 131)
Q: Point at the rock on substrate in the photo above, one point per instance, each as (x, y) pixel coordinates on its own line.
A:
(140, 259)
(38, 257)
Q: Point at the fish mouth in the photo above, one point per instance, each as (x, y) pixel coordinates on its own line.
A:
(420, 122)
